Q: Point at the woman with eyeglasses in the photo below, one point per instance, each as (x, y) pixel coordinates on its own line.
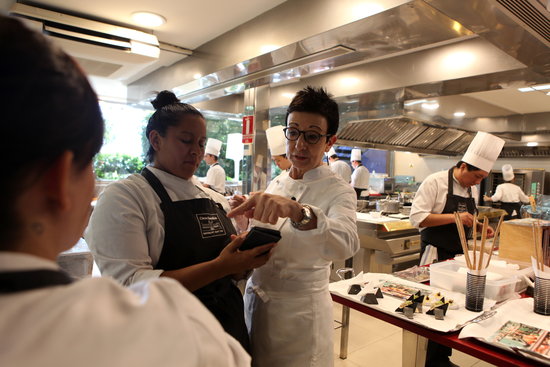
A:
(52, 118)
(287, 303)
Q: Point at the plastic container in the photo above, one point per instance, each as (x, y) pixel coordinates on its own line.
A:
(445, 275)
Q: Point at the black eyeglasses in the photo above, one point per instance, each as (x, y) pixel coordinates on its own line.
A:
(310, 136)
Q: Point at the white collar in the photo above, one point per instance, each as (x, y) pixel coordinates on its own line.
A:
(16, 261)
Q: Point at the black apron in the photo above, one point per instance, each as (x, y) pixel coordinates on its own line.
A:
(510, 207)
(19, 281)
(445, 237)
(196, 231)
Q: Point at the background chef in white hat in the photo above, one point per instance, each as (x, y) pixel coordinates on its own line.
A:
(510, 195)
(340, 168)
(215, 177)
(361, 175)
(438, 197)
(277, 146)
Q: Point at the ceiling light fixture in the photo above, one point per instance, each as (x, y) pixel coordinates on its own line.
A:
(532, 144)
(459, 114)
(265, 49)
(197, 76)
(148, 19)
(430, 105)
(526, 89)
(541, 87)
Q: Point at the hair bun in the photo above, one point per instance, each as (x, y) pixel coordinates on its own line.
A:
(164, 98)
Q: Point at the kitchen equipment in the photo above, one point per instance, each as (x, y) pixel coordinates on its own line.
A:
(389, 245)
(362, 204)
(387, 206)
(446, 275)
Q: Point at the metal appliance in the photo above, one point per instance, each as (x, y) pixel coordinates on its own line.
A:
(388, 246)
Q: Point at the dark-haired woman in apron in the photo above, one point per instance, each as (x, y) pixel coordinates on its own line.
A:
(164, 223)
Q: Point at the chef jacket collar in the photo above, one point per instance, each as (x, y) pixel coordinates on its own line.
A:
(18, 261)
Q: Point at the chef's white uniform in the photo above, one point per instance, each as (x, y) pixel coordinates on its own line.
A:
(287, 304)
(509, 193)
(96, 322)
(342, 169)
(215, 177)
(126, 229)
(360, 178)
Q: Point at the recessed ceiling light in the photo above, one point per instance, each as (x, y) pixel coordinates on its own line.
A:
(430, 105)
(526, 89)
(460, 114)
(268, 48)
(197, 76)
(541, 87)
(147, 19)
(532, 144)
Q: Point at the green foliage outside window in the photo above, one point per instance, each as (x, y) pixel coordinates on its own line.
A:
(115, 166)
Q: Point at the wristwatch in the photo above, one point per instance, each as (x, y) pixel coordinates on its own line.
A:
(306, 212)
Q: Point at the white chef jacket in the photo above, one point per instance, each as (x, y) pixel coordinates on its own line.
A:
(215, 177)
(360, 178)
(126, 229)
(509, 193)
(293, 324)
(96, 322)
(432, 196)
(342, 169)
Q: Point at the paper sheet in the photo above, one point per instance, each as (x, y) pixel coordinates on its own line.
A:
(388, 304)
(518, 310)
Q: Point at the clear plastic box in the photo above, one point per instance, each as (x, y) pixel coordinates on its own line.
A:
(445, 275)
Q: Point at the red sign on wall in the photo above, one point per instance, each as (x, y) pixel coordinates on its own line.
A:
(248, 129)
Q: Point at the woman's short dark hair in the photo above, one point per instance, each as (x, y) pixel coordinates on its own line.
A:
(316, 100)
(169, 112)
(48, 107)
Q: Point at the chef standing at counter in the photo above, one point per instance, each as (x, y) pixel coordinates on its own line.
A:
(340, 168)
(440, 195)
(215, 177)
(361, 175)
(510, 195)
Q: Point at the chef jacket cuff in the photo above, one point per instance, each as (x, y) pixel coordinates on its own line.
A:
(146, 274)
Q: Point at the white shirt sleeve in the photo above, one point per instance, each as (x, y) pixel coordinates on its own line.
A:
(424, 201)
(498, 194)
(337, 228)
(118, 234)
(522, 197)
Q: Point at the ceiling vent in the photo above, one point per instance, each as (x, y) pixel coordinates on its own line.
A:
(532, 14)
(107, 50)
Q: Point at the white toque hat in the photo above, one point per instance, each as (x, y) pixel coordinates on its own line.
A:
(213, 146)
(331, 152)
(507, 172)
(483, 151)
(276, 140)
(355, 155)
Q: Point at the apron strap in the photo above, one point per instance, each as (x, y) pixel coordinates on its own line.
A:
(18, 281)
(156, 185)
